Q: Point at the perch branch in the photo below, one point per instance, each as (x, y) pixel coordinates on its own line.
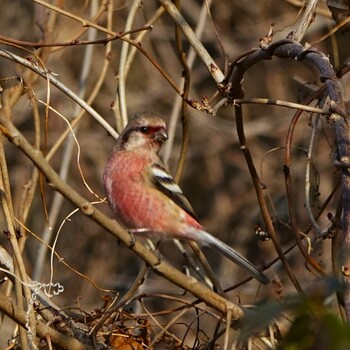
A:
(160, 267)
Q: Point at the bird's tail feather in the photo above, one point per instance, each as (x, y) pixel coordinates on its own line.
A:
(234, 256)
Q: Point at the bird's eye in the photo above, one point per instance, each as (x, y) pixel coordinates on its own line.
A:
(144, 129)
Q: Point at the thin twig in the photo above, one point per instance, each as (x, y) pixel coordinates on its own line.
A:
(260, 196)
(185, 94)
(202, 53)
(120, 96)
(9, 307)
(314, 122)
(84, 22)
(32, 66)
(57, 200)
(292, 105)
(7, 207)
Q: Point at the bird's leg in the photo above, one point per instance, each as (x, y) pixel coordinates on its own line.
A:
(154, 248)
(131, 232)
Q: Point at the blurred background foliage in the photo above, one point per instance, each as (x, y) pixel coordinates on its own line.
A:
(215, 179)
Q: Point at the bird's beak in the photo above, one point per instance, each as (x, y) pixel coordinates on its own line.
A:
(161, 135)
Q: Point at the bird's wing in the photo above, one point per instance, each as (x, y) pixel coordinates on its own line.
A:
(164, 182)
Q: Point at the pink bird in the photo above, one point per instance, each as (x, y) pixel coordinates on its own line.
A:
(145, 197)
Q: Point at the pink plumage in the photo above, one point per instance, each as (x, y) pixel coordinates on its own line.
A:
(145, 197)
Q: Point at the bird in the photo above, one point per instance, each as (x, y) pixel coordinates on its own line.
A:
(144, 196)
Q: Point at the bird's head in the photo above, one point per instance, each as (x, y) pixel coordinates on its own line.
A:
(143, 130)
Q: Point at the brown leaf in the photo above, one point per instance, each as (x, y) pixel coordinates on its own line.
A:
(120, 342)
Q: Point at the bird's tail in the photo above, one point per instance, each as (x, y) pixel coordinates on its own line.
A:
(234, 256)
